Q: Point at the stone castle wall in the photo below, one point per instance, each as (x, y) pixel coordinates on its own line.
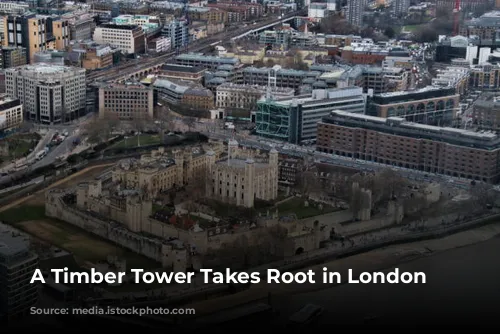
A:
(151, 248)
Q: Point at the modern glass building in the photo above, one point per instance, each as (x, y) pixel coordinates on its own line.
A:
(295, 119)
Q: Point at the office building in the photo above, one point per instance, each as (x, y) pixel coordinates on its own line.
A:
(354, 12)
(428, 105)
(13, 56)
(188, 94)
(17, 266)
(245, 97)
(396, 142)
(182, 72)
(35, 33)
(209, 62)
(400, 7)
(129, 39)
(93, 56)
(81, 25)
(486, 112)
(13, 7)
(11, 113)
(485, 77)
(295, 119)
(160, 44)
(178, 32)
(50, 94)
(146, 22)
(126, 101)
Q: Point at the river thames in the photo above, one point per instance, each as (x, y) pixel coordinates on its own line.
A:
(462, 285)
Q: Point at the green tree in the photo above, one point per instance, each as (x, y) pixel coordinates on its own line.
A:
(389, 32)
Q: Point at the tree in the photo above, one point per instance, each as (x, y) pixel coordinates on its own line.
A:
(166, 121)
(99, 129)
(335, 24)
(483, 194)
(389, 32)
(308, 182)
(189, 122)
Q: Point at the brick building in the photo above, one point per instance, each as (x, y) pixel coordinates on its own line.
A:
(396, 142)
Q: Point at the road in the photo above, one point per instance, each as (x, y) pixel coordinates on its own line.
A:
(214, 131)
(326, 158)
(62, 149)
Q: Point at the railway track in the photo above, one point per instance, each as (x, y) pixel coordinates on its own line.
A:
(136, 64)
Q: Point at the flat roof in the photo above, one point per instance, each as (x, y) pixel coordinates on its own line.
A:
(12, 241)
(403, 123)
(46, 69)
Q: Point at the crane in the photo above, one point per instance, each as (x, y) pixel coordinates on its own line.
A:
(456, 17)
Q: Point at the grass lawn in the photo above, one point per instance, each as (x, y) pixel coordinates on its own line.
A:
(85, 246)
(411, 28)
(296, 205)
(143, 140)
(23, 213)
(19, 148)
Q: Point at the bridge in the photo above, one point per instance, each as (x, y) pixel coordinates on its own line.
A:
(265, 27)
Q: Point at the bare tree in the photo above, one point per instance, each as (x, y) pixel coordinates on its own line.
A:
(196, 185)
(99, 130)
(189, 122)
(166, 121)
(483, 194)
(308, 182)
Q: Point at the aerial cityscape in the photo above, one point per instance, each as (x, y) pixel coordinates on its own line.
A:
(243, 135)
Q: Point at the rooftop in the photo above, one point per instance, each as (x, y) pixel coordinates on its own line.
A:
(182, 68)
(417, 91)
(12, 242)
(119, 26)
(45, 69)
(400, 126)
(127, 85)
(204, 58)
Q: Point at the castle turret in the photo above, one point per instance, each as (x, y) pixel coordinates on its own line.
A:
(249, 191)
(232, 148)
(274, 171)
(179, 161)
(209, 178)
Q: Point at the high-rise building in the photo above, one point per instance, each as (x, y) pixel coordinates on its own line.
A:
(130, 39)
(17, 265)
(50, 94)
(354, 12)
(400, 7)
(178, 32)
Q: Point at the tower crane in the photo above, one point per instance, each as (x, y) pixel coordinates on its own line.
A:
(456, 17)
